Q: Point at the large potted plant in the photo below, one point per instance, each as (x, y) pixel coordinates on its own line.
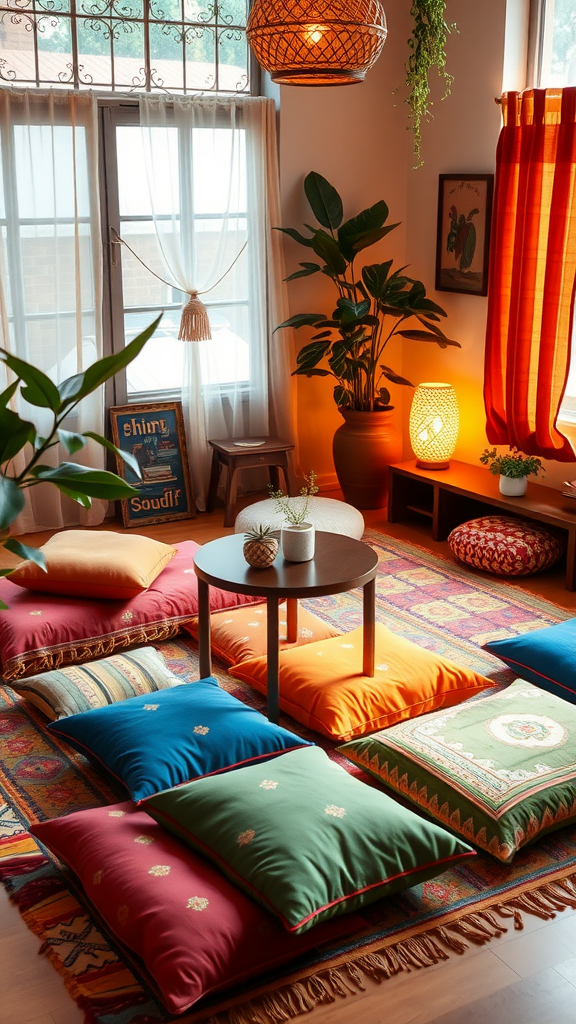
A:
(349, 345)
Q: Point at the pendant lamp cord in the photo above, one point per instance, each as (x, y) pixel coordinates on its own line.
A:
(121, 241)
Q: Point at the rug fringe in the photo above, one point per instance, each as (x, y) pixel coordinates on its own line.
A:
(418, 951)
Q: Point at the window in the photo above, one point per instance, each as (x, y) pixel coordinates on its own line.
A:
(557, 67)
(175, 45)
(177, 202)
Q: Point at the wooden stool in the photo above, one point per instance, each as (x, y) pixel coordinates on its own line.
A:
(237, 454)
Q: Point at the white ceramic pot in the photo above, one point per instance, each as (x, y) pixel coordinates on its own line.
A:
(297, 542)
(513, 486)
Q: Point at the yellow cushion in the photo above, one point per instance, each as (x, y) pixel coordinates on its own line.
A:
(95, 563)
(322, 686)
(240, 634)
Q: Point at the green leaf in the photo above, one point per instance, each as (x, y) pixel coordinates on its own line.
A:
(311, 354)
(33, 554)
(375, 278)
(39, 389)
(425, 336)
(8, 393)
(96, 483)
(126, 457)
(395, 378)
(323, 334)
(384, 396)
(14, 434)
(71, 441)
(11, 501)
(342, 396)
(82, 499)
(302, 372)
(309, 268)
(324, 200)
(352, 312)
(297, 236)
(82, 384)
(302, 320)
(327, 248)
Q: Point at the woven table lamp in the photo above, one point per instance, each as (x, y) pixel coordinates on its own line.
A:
(317, 42)
(434, 423)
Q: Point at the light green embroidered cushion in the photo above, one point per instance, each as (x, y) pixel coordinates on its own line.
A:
(69, 691)
(305, 838)
(500, 770)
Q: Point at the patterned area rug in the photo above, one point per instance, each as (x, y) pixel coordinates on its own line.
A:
(426, 599)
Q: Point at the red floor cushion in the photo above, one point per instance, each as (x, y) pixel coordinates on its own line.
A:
(505, 546)
(40, 632)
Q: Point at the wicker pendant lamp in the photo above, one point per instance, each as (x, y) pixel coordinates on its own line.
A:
(317, 42)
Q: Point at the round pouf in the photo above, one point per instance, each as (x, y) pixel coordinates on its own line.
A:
(324, 513)
(504, 546)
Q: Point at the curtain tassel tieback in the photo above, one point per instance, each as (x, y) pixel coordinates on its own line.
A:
(195, 323)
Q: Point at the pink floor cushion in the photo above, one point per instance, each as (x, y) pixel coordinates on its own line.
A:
(195, 932)
(505, 546)
(40, 632)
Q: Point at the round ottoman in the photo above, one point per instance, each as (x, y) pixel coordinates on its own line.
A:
(324, 513)
(505, 546)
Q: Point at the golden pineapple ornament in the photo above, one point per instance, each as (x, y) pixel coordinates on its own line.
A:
(261, 546)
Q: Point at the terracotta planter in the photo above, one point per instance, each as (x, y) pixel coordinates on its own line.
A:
(363, 448)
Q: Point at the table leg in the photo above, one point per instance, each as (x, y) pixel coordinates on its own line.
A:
(369, 623)
(204, 651)
(272, 655)
(292, 620)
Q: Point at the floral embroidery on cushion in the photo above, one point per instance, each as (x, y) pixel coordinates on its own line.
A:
(97, 877)
(383, 667)
(253, 624)
(151, 707)
(127, 616)
(268, 784)
(122, 914)
(201, 730)
(334, 811)
(349, 647)
(306, 633)
(245, 838)
(34, 613)
(197, 903)
(159, 870)
(528, 731)
(116, 814)
(144, 840)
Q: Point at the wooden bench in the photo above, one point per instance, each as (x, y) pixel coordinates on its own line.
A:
(241, 453)
(462, 492)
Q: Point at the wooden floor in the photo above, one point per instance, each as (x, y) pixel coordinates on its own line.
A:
(526, 977)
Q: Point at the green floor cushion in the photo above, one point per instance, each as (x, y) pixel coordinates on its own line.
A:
(305, 838)
(500, 770)
(70, 691)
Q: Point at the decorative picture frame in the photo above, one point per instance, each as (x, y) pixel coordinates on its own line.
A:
(463, 236)
(154, 434)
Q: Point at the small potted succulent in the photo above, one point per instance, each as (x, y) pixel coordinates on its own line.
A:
(514, 468)
(297, 535)
(261, 546)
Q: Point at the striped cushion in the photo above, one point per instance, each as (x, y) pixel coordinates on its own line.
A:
(68, 691)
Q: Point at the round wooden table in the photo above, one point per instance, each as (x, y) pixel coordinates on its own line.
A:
(339, 564)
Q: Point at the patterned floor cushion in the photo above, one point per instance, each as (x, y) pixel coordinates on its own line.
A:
(505, 546)
(41, 631)
(500, 770)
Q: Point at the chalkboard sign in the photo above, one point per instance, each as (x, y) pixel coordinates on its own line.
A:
(154, 434)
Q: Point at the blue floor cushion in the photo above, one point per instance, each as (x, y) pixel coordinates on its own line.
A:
(546, 657)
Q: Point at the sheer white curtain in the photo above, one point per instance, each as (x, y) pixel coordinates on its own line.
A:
(213, 188)
(51, 268)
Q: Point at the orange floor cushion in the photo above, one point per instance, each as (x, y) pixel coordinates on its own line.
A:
(240, 634)
(322, 686)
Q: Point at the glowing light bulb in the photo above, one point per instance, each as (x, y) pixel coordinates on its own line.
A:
(314, 33)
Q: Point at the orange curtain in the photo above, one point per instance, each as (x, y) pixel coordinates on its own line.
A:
(532, 273)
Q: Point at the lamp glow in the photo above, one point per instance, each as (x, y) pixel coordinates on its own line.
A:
(316, 42)
(434, 423)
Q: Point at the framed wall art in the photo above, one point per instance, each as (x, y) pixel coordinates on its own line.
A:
(464, 212)
(154, 434)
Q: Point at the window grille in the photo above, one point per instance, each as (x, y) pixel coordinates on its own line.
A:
(179, 46)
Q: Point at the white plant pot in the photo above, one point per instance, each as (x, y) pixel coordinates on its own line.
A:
(513, 486)
(297, 542)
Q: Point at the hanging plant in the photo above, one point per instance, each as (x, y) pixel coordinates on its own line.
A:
(427, 43)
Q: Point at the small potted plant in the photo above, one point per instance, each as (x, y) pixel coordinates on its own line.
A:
(261, 546)
(514, 468)
(297, 535)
